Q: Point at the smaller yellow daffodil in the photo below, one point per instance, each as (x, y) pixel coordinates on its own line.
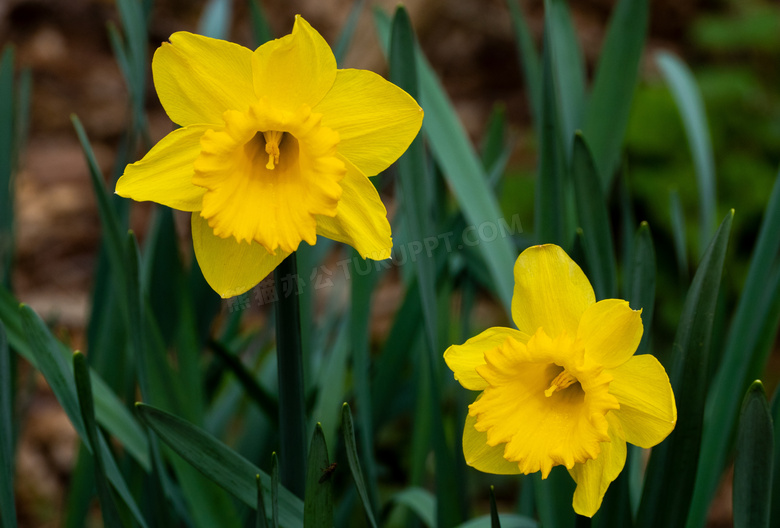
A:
(565, 388)
(275, 148)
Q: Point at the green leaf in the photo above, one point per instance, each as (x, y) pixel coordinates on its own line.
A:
(261, 520)
(331, 379)
(264, 399)
(318, 505)
(678, 234)
(549, 210)
(748, 343)
(350, 446)
(529, 60)
(616, 75)
(348, 31)
(112, 235)
(218, 462)
(261, 31)
(775, 498)
(691, 107)
(554, 498)
(215, 19)
(110, 412)
(133, 18)
(7, 503)
(275, 486)
(461, 167)
(84, 392)
(495, 522)
(6, 164)
(412, 171)
(753, 464)
(640, 291)
(665, 501)
(568, 70)
(593, 218)
(49, 357)
(508, 520)
(421, 501)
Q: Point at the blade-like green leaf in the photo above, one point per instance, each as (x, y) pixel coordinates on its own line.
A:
(348, 430)
(593, 218)
(261, 520)
(261, 31)
(747, 346)
(265, 400)
(110, 412)
(508, 520)
(549, 210)
(678, 234)
(689, 103)
(275, 486)
(607, 113)
(568, 70)
(7, 504)
(331, 383)
(7, 97)
(665, 501)
(529, 59)
(640, 291)
(348, 31)
(553, 498)
(216, 18)
(50, 359)
(421, 501)
(753, 463)
(218, 462)
(461, 167)
(318, 505)
(412, 170)
(774, 500)
(112, 235)
(84, 392)
(495, 521)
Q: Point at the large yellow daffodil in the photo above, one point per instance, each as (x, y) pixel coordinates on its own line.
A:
(275, 148)
(565, 388)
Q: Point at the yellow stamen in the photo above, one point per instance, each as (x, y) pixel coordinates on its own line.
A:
(561, 381)
(272, 140)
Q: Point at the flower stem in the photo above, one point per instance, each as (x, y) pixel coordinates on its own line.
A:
(292, 418)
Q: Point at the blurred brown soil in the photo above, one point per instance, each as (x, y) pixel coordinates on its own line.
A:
(65, 45)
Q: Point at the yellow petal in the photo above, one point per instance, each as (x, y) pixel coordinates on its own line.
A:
(375, 119)
(230, 268)
(197, 78)
(361, 217)
(484, 457)
(296, 69)
(594, 476)
(551, 292)
(464, 359)
(610, 331)
(647, 409)
(164, 175)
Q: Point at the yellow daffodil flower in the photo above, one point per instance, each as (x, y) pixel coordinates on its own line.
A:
(565, 388)
(275, 148)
